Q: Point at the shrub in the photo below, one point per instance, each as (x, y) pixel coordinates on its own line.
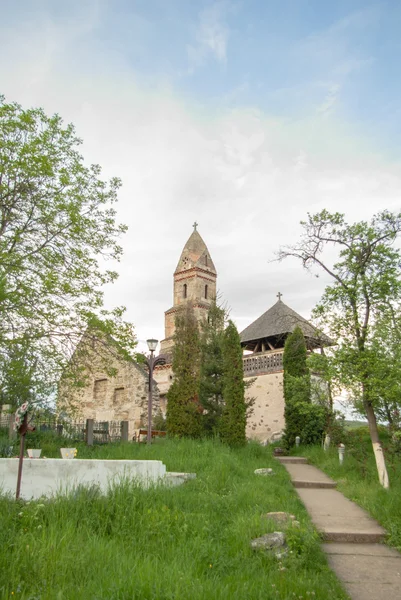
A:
(306, 420)
(159, 422)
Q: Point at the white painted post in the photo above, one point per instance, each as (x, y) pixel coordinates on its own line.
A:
(341, 451)
(327, 441)
(297, 441)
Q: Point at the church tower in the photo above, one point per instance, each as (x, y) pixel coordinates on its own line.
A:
(194, 283)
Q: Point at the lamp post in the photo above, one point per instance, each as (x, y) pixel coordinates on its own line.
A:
(152, 362)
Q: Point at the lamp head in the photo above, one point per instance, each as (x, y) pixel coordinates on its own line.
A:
(152, 344)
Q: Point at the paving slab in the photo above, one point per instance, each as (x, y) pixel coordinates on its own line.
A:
(367, 571)
(339, 519)
(308, 476)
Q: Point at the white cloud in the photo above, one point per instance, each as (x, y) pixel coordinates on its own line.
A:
(211, 36)
(330, 100)
(246, 177)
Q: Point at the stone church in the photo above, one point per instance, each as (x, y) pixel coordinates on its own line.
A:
(124, 396)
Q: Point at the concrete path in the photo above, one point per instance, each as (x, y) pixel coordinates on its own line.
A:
(368, 569)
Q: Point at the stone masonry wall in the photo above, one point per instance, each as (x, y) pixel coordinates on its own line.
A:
(268, 410)
(123, 397)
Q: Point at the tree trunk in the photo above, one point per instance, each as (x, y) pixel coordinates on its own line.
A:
(377, 447)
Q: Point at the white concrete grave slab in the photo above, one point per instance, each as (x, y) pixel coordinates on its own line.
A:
(49, 476)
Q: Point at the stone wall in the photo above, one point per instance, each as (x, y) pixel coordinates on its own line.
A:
(268, 410)
(119, 397)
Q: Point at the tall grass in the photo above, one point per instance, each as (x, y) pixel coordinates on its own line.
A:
(188, 542)
(358, 480)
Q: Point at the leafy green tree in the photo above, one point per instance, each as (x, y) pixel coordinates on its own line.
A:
(57, 229)
(233, 420)
(159, 422)
(183, 418)
(365, 284)
(295, 355)
(301, 417)
(211, 368)
(296, 372)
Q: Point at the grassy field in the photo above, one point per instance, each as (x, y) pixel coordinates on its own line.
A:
(191, 541)
(357, 478)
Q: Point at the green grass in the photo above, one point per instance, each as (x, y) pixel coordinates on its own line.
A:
(357, 478)
(189, 542)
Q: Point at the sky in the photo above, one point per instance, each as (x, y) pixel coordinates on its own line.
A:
(241, 115)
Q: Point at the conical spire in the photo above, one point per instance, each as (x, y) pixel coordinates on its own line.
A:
(195, 254)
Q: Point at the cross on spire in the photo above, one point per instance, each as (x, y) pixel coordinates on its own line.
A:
(279, 296)
(195, 225)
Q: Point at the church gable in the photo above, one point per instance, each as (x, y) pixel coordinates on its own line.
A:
(115, 389)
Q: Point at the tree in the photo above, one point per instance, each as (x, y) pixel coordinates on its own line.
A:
(233, 420)
(295, 357)
(211, 368)
(365, 283)
(301, 416)
(183, 416)
(57, 230)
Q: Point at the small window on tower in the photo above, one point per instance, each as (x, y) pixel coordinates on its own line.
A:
(205, 291)
(185, 290)
(206, 260)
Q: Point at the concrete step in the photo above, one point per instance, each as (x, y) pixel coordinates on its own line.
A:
(338, 519)
(308, 476)
(355, 537)
(299, 483)
(295, 460)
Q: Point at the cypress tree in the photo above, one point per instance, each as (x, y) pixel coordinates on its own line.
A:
(183, 416)
(233, 420)
(211, 369)
(295, 354)
(301, 416)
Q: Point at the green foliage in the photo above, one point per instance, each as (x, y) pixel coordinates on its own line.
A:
(301, 417)
(306, 420)
(233, 421)
(295, 354)
(159, 422)
(296, 389)
(212, 369)
(57, 220)
(183, 410)
(359, 306)
(296, 371)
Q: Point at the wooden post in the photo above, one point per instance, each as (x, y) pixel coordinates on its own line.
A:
(89, 432)
(59, 429)
(124, 431)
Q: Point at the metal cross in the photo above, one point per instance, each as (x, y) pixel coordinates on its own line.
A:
(279, 295)
(195, 225)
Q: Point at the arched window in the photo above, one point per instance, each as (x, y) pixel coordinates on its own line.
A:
(205, 291)
(185, 290)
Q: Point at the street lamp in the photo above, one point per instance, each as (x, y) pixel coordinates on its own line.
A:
(152, 362)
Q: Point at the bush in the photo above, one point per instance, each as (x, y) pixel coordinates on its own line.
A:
(296, 389)
(336, 428)
(159, 422)
(306, 420)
